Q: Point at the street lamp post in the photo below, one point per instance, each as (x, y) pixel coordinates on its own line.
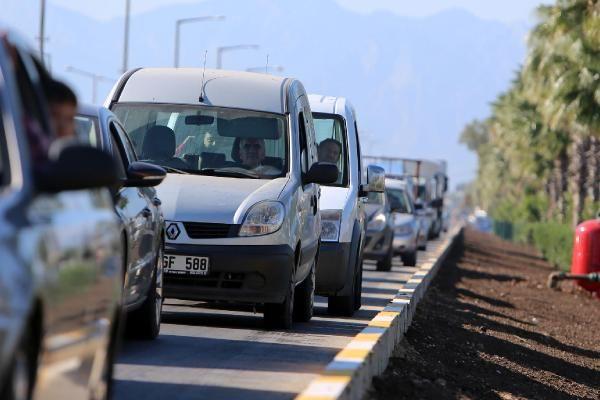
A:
(222, 49)
(126, 36)
(42, 27)
(94, 77)
(182, 21)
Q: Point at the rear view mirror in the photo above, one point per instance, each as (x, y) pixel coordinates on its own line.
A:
(199, 120)
(76, 167)
(322, 173)
(142, 174)
(375, 179)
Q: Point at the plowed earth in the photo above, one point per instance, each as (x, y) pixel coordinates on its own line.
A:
(489, 328)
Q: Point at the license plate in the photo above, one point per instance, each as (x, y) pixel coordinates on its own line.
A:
(185, 265)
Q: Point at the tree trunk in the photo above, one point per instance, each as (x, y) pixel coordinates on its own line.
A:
(578, 173)
(593, 161)
(562, 178)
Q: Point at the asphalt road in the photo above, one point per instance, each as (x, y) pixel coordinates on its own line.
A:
(204, 352)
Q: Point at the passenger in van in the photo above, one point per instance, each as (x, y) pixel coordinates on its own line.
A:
(329, 150)
(62, 104)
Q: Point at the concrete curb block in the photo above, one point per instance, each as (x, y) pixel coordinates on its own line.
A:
(350, 373)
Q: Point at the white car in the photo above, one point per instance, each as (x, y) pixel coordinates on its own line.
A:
(241, 197)
(339, 271)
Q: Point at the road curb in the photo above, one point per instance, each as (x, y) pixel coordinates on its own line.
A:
(349, 375)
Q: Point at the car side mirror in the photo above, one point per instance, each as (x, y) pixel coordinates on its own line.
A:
(322, 173)
(375, 179)
(75, 167)
(418, 206)
(143, 174)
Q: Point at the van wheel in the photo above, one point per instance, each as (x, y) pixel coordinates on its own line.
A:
(279, 315)
(409, 259)
(358, 286)
(21, 377)
(386, 263)
(304, 298)
(423, 247)
(346, 305)
(144, 323)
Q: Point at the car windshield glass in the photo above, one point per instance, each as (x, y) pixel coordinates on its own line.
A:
(208, 140)
(399, 201)
(331, 139)
(87, 129)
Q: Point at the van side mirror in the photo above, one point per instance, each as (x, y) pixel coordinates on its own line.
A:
(375, 179)
(322, 173)
(142, 174)
(76, 167)
(418, 206)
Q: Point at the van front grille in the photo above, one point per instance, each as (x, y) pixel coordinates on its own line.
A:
(205, 230)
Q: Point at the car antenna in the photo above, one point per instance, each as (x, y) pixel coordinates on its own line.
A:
(201, 98)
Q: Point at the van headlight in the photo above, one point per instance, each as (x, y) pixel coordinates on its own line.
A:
(377, 223)
(263, 218)
(404, 229)
(330, 225)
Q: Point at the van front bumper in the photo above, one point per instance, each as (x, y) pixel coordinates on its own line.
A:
(333, 268)
(245, 274)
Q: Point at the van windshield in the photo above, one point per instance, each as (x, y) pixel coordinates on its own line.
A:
(331, 139)
(207, 140)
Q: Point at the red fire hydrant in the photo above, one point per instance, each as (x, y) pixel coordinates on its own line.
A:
(585, 265)
(586, 253)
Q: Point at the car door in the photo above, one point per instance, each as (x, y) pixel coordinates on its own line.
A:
(361, 199)
(137, 209)
(310, 192)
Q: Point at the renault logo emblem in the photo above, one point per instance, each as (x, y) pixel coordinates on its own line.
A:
(173, 231)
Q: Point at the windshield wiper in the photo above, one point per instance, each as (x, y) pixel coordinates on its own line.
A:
(237, 173)
(174, 170)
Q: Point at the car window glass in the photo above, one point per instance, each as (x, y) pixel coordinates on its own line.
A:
(398, 200)
(126, 143)
(117, 152)
(4, 171)
(332, 139)
(87, 129)
(196, 139)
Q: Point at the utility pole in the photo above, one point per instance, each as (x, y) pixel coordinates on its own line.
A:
(94, 77)
(126, 36)
(222, 49)
(182, 21)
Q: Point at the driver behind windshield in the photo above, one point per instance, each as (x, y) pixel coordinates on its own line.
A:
(253, 154)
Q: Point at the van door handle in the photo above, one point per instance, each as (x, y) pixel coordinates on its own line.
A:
(146, 212)
(315, 204)
(156, 201)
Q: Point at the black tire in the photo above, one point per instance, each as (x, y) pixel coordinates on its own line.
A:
(423, 247)
(20, 379)
(347, 305)
(409, 259)
(358, 290)
(304, 298)
(280, 315)
(144, 323)
(386, 264)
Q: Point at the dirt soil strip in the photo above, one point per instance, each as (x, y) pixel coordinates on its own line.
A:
(489, 328)
(349, 375)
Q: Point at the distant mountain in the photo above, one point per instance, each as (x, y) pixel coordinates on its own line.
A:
(415, 82)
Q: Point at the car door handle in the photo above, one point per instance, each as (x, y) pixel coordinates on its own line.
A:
(146, 212)
(156, 201)
(315, 204)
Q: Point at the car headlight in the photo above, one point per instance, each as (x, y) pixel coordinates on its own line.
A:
(404, 229)
(263, 218)
(330, 225)
(377, 223)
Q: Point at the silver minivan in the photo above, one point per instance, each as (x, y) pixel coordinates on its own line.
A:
(339, 272)
(241, 197)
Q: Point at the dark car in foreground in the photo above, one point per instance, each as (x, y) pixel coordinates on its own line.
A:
(142, 223)
(60, 288)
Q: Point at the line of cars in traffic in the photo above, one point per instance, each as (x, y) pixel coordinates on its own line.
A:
(189, 183)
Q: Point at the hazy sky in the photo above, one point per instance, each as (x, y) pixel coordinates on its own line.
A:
(503, 10)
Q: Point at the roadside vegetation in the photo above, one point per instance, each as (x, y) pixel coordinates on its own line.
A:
(539, 151)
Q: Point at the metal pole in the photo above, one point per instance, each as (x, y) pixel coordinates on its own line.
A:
(126, 36)
(182, 21)
(222, 49)
(42, 28)
(94, 77)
